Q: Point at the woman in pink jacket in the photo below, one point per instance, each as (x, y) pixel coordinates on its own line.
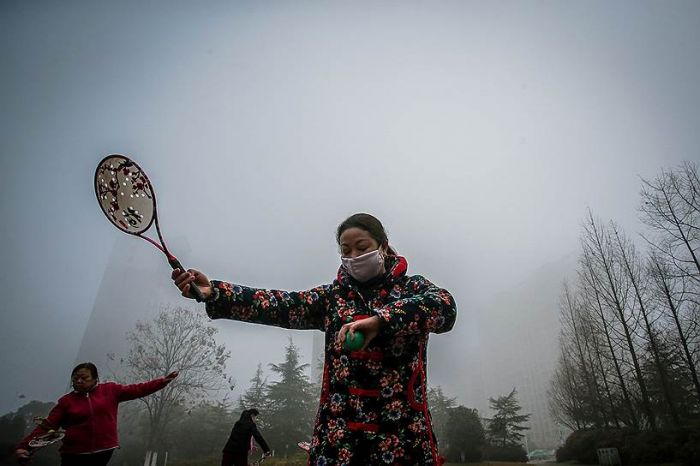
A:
(89, 417)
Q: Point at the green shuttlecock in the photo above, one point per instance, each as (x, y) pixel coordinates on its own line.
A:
(354, 343)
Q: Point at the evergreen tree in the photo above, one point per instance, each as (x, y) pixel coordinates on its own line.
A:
(464, 435)
(440, 406)
(505, 427)
(290, 403)
(256, 397)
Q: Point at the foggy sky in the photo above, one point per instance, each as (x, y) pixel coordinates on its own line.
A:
(478, 132)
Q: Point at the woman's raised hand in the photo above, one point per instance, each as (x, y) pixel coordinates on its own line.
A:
(183, 279)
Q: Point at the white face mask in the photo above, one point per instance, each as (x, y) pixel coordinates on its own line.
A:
(365, 267)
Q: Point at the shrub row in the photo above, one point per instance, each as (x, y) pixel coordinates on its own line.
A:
(635, 447)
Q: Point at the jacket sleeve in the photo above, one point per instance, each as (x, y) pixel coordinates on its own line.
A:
(259, 438)
(54, 420)
(428, 309)
(139, 390)
(294, 310)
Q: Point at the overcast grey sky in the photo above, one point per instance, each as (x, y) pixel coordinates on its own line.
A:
(479, 132)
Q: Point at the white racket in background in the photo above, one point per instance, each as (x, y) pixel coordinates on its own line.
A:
(44, 440)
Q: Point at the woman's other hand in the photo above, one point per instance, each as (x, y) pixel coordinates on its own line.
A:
(368, 327)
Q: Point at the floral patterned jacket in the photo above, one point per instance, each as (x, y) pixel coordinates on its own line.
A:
(373, 408)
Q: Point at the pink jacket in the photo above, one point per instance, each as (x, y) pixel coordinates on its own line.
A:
(90, 419)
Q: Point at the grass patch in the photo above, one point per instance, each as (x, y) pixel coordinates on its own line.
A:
(487, 463)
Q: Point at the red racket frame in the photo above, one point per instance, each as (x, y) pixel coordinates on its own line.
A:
(172, 260)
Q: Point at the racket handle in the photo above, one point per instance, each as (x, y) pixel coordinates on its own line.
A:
(194, 289)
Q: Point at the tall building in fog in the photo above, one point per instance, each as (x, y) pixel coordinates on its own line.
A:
(518, 346)
(134, 287)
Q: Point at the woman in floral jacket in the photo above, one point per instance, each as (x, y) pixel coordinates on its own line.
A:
(373, 408)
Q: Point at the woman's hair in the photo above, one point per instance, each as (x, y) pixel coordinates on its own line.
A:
(86, 365)
(247, 414)
(368, 223)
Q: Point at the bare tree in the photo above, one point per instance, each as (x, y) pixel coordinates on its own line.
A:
(671, 207)
(628, 256)
(671, 297)
(590, 383)
(574, 335)
(630, 325)
(180, 340)
(616, 291)
(596, 349)
(565, 404)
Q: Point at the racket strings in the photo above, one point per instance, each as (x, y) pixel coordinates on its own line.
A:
(46, 439)
(116, 178)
